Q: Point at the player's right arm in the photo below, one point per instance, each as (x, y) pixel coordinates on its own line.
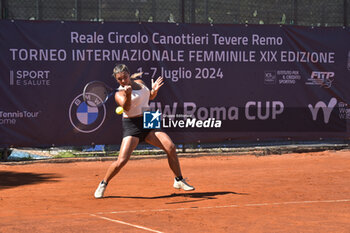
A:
(123, 98)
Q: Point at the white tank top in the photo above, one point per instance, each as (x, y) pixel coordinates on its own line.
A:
(139, 101)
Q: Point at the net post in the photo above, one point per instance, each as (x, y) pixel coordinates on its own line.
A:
(295, 12)
(345, 5)
(78, 8)
(182, 11)
(3, 9)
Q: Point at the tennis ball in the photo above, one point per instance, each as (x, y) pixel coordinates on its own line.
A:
(119, 110)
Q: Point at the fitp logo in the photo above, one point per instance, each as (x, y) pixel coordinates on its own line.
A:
(151, 120)
(323, 79)
(84, 118)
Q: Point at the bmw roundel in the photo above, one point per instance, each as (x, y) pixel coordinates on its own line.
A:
(84, 118)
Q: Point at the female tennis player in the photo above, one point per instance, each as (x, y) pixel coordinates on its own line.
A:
(133, 96)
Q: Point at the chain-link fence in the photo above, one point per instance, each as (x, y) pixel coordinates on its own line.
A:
(297, 12)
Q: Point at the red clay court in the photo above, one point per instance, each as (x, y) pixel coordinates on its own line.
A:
(289, 193)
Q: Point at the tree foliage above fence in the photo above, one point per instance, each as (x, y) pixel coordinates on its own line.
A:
(297, 12)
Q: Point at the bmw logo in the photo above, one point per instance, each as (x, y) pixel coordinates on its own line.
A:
(84, 118)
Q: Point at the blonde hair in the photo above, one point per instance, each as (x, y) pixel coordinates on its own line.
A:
(120, 68)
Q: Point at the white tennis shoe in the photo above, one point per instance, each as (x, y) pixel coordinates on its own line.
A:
(100, 189)
(182, 184)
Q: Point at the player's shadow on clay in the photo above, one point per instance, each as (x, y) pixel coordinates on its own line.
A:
(194, 196)
(10, 179)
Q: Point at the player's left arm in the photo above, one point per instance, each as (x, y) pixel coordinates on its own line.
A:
(155, 87)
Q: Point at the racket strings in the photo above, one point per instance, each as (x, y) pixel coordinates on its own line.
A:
(96, 93)
(98, 90)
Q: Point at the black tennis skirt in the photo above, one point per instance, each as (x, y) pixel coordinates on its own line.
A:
(134, 127)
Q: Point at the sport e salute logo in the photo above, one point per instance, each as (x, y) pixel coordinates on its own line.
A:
(327, 109)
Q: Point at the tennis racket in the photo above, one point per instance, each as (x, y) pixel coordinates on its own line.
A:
(96, 93)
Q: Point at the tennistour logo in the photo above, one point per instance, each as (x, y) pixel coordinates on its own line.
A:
(84, 118)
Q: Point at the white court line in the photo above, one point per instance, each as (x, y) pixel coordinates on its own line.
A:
(125, 223)
(226, 206)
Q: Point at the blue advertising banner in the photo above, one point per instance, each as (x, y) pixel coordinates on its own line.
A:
(222, 82)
